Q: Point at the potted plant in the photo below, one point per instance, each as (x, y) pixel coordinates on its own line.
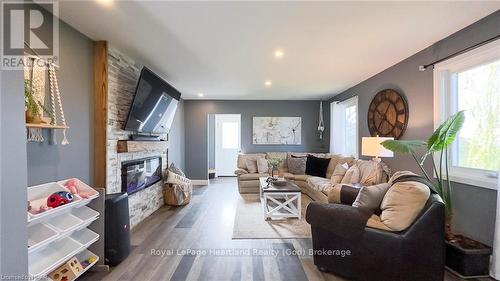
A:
(31, 106)
(275, 164)
(463, 255)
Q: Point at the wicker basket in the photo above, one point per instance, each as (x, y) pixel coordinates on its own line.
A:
(177, 191)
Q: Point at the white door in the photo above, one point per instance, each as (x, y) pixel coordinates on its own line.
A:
(227, 143)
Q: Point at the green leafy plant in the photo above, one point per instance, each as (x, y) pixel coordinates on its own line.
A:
(48, 112)
(438, 144)
(30, 103)
(275, 163)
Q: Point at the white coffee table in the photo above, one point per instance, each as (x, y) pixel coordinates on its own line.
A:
(280, 202)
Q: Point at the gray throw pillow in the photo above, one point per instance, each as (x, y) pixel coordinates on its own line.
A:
(370, 197)
(176, 170)
(297, 166)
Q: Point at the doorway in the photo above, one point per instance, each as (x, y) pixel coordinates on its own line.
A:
(227, 143)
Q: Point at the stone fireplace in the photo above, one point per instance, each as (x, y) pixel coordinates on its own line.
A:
(123, 73)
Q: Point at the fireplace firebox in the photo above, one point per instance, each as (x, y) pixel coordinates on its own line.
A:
(140, 174)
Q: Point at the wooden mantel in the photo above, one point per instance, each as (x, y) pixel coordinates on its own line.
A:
(127, 146)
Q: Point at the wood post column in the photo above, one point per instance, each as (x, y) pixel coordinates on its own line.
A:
(100, 111)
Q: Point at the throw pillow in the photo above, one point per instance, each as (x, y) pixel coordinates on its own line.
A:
(402, 203)
(297, 166)
(174, 169)
(351, 175)
(252, 166)
(335, 160)
(339, 173)
(371, 197)
(262, 166)
(242, 158)
(316, 166)
(371, 172)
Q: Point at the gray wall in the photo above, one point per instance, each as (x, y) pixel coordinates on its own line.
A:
(75, 76)
(474, 206)
(196, 114)
(13, 237)
(176, 138)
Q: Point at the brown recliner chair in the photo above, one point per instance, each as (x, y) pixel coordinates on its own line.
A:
(415, 254)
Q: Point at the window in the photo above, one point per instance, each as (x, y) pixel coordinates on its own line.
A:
(471, 82)
(230, 135)
(344, 127)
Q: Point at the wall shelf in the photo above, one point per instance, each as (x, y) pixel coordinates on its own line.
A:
(46, 126)
(127, 146)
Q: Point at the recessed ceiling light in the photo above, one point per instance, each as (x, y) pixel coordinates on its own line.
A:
(279, 53)
(268, 83)
(106, 3)
(200, 95)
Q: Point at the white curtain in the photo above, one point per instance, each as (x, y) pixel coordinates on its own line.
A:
(495, 261)
(336, 127)
(344, 127)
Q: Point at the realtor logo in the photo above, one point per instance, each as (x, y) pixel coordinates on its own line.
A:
(29, 29)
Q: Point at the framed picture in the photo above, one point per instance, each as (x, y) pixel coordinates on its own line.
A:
(277, 130)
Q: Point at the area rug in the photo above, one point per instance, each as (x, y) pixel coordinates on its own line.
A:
(249, 221)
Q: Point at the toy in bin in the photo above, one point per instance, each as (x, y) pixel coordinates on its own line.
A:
(89, 261)
(59, 198)
(68, 271)
(74, 187)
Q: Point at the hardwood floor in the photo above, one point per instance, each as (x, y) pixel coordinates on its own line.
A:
(169, 245)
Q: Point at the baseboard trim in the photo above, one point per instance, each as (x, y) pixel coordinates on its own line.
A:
(200, 182)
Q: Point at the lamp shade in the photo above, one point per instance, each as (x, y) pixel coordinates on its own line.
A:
(371, 146)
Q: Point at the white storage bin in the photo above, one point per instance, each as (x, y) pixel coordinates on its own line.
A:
(40, 235)
(44, 261)
(88, 193)
(85, 213)
(64, 223)
(85, 237)
(85, 255)
(37, 196)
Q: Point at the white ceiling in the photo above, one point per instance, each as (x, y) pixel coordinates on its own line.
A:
(225, 49)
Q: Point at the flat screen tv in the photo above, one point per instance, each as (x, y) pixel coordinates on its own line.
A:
(154, 105)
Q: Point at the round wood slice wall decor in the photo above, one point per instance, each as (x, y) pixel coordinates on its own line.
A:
(388, 114)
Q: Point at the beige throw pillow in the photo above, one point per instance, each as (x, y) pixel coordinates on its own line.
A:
(262, 166)
(242, 164)
(352, 175)
(339, 173)
(402, 203)
(334, 161)
(251, 166)
(371, 172)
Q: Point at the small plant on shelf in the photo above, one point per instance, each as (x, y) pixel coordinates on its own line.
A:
(31, 106)
(48, 112)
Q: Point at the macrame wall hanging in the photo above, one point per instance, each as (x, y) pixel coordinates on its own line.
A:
(35, 92)
(321, 124)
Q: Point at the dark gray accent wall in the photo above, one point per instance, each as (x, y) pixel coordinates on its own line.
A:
(196, 122)
(474, 206)
(13, 237)
(75, 76)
